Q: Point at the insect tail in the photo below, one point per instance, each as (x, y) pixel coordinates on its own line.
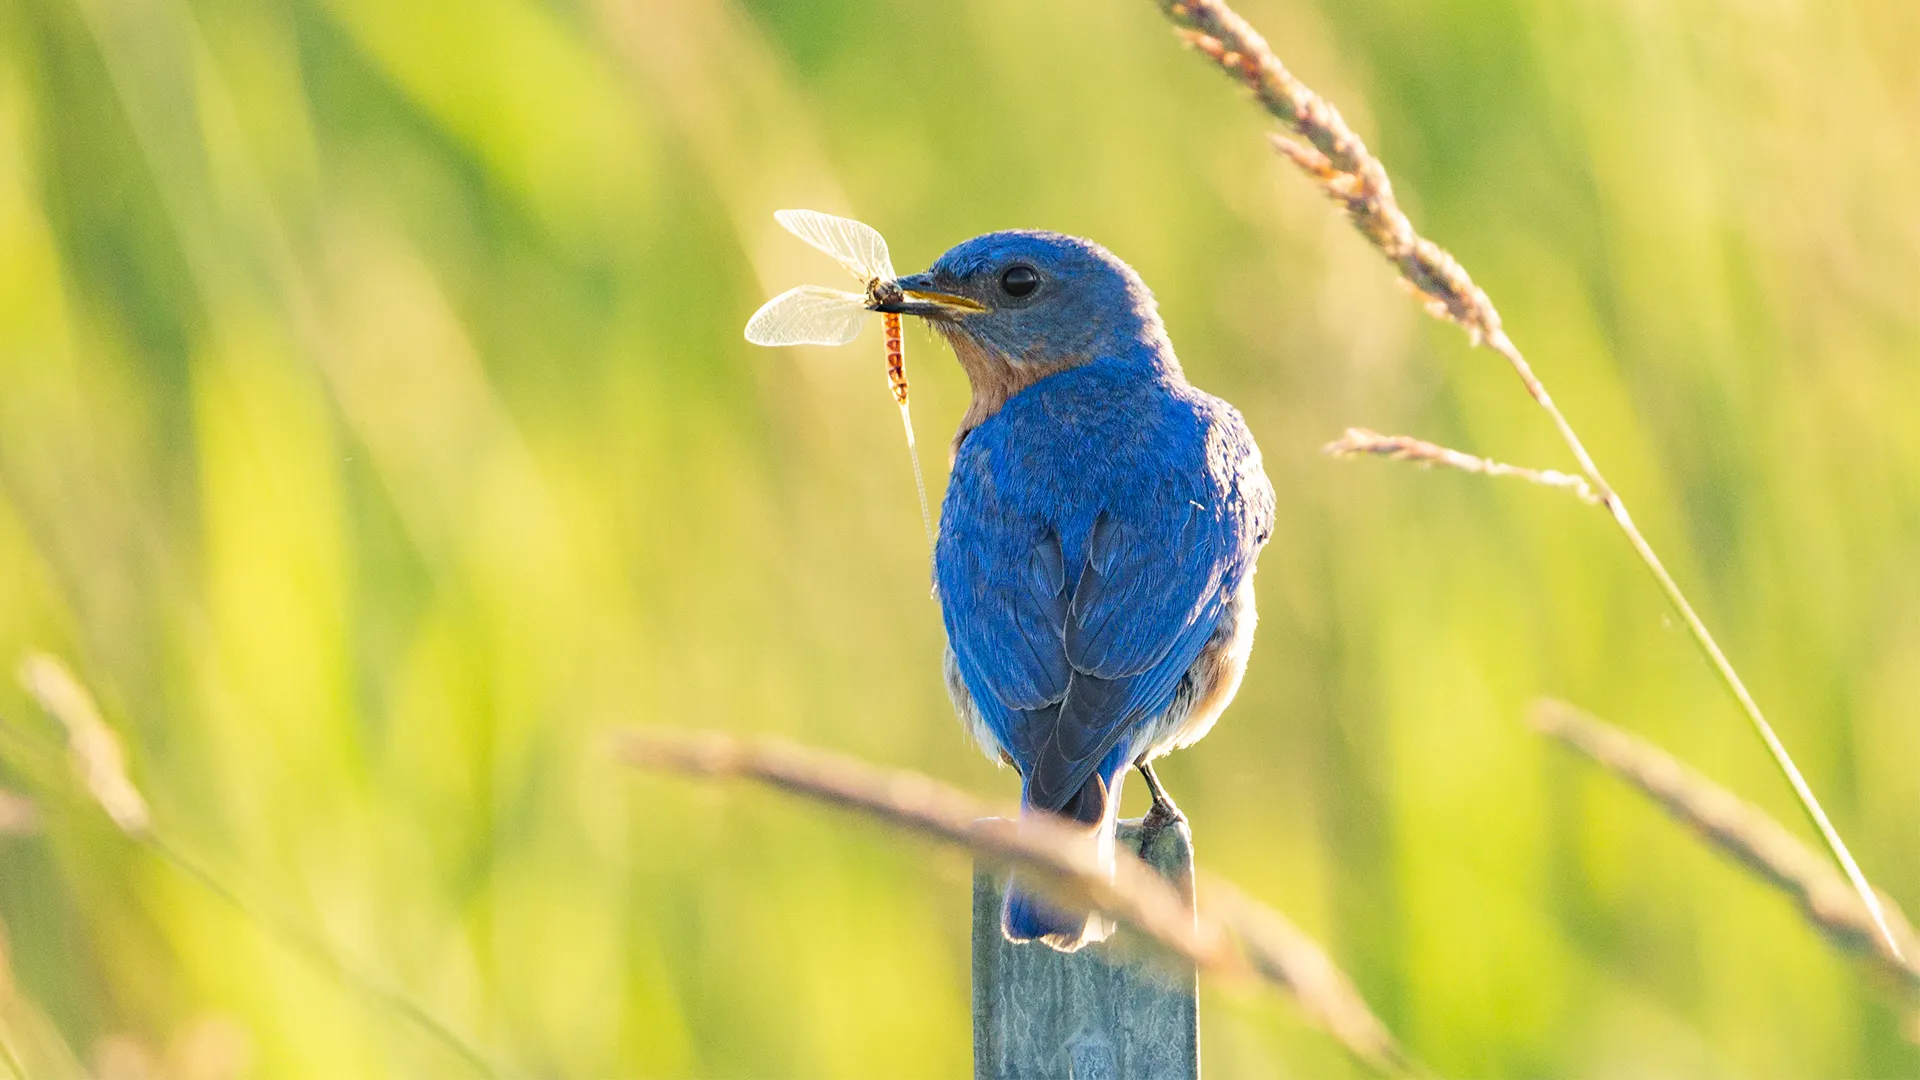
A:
(897, 383)
(919, 482)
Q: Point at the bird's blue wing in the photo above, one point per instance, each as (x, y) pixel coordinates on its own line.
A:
(1004, 596)
(1149, 595)
(1073, 617)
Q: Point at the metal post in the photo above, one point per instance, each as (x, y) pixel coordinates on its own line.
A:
(1102, 1013)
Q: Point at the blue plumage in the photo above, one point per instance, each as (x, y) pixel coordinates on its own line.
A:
(1099, 534)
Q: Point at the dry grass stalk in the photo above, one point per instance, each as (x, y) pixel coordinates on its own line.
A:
(1285, 956)
(921, 804)
(97, 759)
(1337, 159)
(1743, 831)
(1334, 157)
(95, 748)
(1357, 441)
(1240, 938)
(18, 815)
(9, 1056)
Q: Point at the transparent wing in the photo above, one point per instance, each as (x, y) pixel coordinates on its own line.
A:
(808, 315)
(855, 244)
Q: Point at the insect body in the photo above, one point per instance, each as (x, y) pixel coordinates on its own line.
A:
(896, 357)
(815, 315)
(882, 292)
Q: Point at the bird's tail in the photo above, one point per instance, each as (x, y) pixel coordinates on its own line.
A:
(1027, 916)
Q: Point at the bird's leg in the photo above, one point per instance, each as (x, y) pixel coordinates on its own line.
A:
(1164, 813)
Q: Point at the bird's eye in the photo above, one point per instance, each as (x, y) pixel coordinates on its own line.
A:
(1019, 281)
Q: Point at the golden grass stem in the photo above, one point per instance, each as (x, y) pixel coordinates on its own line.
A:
(1286, 957)
(1232, 935)
(101, 766)
(18, 815)
(1741, 830)
(1357, 441)
(920, 804)
(95, 750)
(1339, 161)
(9, 1057)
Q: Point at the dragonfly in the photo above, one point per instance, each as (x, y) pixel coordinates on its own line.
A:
(817, 315)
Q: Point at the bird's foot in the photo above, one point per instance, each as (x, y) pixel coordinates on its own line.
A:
(1161, 816)
(1163, 813)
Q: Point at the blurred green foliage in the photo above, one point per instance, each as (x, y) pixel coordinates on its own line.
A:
(376, 431)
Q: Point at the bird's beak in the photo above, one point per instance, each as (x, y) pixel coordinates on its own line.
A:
(915, 295)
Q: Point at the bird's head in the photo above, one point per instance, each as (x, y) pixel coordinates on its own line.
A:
(1018, 306)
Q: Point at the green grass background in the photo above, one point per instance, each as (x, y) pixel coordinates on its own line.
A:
(376, 431)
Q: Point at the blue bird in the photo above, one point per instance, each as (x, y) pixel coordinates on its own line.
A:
(1098, 539)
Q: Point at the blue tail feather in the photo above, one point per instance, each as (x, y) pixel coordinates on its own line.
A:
(1027, 917)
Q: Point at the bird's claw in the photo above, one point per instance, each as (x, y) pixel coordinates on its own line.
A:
(1161, 815)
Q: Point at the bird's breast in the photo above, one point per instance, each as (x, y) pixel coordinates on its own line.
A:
(994, 379)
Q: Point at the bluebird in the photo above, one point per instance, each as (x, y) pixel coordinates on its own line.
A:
(1098, 539)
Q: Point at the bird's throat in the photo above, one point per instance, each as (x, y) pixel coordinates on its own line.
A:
(995, 379)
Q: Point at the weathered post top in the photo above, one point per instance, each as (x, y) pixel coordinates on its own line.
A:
(1103, 1013)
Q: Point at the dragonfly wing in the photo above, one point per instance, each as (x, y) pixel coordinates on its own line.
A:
(854, 244)
(808, 315)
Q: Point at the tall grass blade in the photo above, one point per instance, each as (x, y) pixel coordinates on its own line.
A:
(1327, 150)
